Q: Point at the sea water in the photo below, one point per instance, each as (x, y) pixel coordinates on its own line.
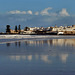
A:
(49, 56)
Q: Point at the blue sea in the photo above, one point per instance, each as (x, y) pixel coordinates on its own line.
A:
(49, 56)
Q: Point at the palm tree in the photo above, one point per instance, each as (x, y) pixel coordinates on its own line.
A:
(15, 28)
(19, 29)
(7, 28)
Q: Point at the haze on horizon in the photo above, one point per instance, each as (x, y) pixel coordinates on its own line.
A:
(34, 13)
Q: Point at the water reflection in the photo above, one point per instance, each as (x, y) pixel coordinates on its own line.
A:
(8, 44)
(44, 50)
(15, 43)
(45, 58)
(38, 57)
(63, 57)
(55, 42)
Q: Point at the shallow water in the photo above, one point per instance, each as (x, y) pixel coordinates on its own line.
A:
(37, 57)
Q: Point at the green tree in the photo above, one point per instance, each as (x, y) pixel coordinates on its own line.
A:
(15, 28)
(26, 28)
(19, 28)
(7, 28)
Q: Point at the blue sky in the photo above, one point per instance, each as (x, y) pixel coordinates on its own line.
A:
(36, 13)
(36, 5)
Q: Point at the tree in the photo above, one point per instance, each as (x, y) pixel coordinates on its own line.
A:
(26, 28)
(19, 29)
(8, 29)
(15, 28)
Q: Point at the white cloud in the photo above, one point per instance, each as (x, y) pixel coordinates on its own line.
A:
(17, 12)
(45, 58)
(47, 18)
(45, 11)
(29, 12)
(29, 57)
(36, 13)
(63, 12)
(64, 57)
(20, 12)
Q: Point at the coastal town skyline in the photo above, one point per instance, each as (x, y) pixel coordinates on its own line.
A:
(51, 30)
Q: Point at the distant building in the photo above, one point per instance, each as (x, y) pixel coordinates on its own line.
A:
(27, 32)
(14, 32)
(65, 30)
(42, 30)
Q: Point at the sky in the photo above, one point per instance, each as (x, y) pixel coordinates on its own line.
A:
(36, 13)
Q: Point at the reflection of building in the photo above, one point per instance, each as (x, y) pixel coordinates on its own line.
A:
(52, 49)
(59, 42)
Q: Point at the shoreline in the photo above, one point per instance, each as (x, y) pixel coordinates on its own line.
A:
(17, 36)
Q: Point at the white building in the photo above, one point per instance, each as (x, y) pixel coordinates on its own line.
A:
(62, 29)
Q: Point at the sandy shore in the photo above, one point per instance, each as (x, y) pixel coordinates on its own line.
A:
(34, 36)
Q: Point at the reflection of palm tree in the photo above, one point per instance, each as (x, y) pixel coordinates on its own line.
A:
(15, 43)
(8, 44)
(19, 43)
(26, 43)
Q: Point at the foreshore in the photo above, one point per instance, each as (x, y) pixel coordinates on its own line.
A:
(34, 36)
